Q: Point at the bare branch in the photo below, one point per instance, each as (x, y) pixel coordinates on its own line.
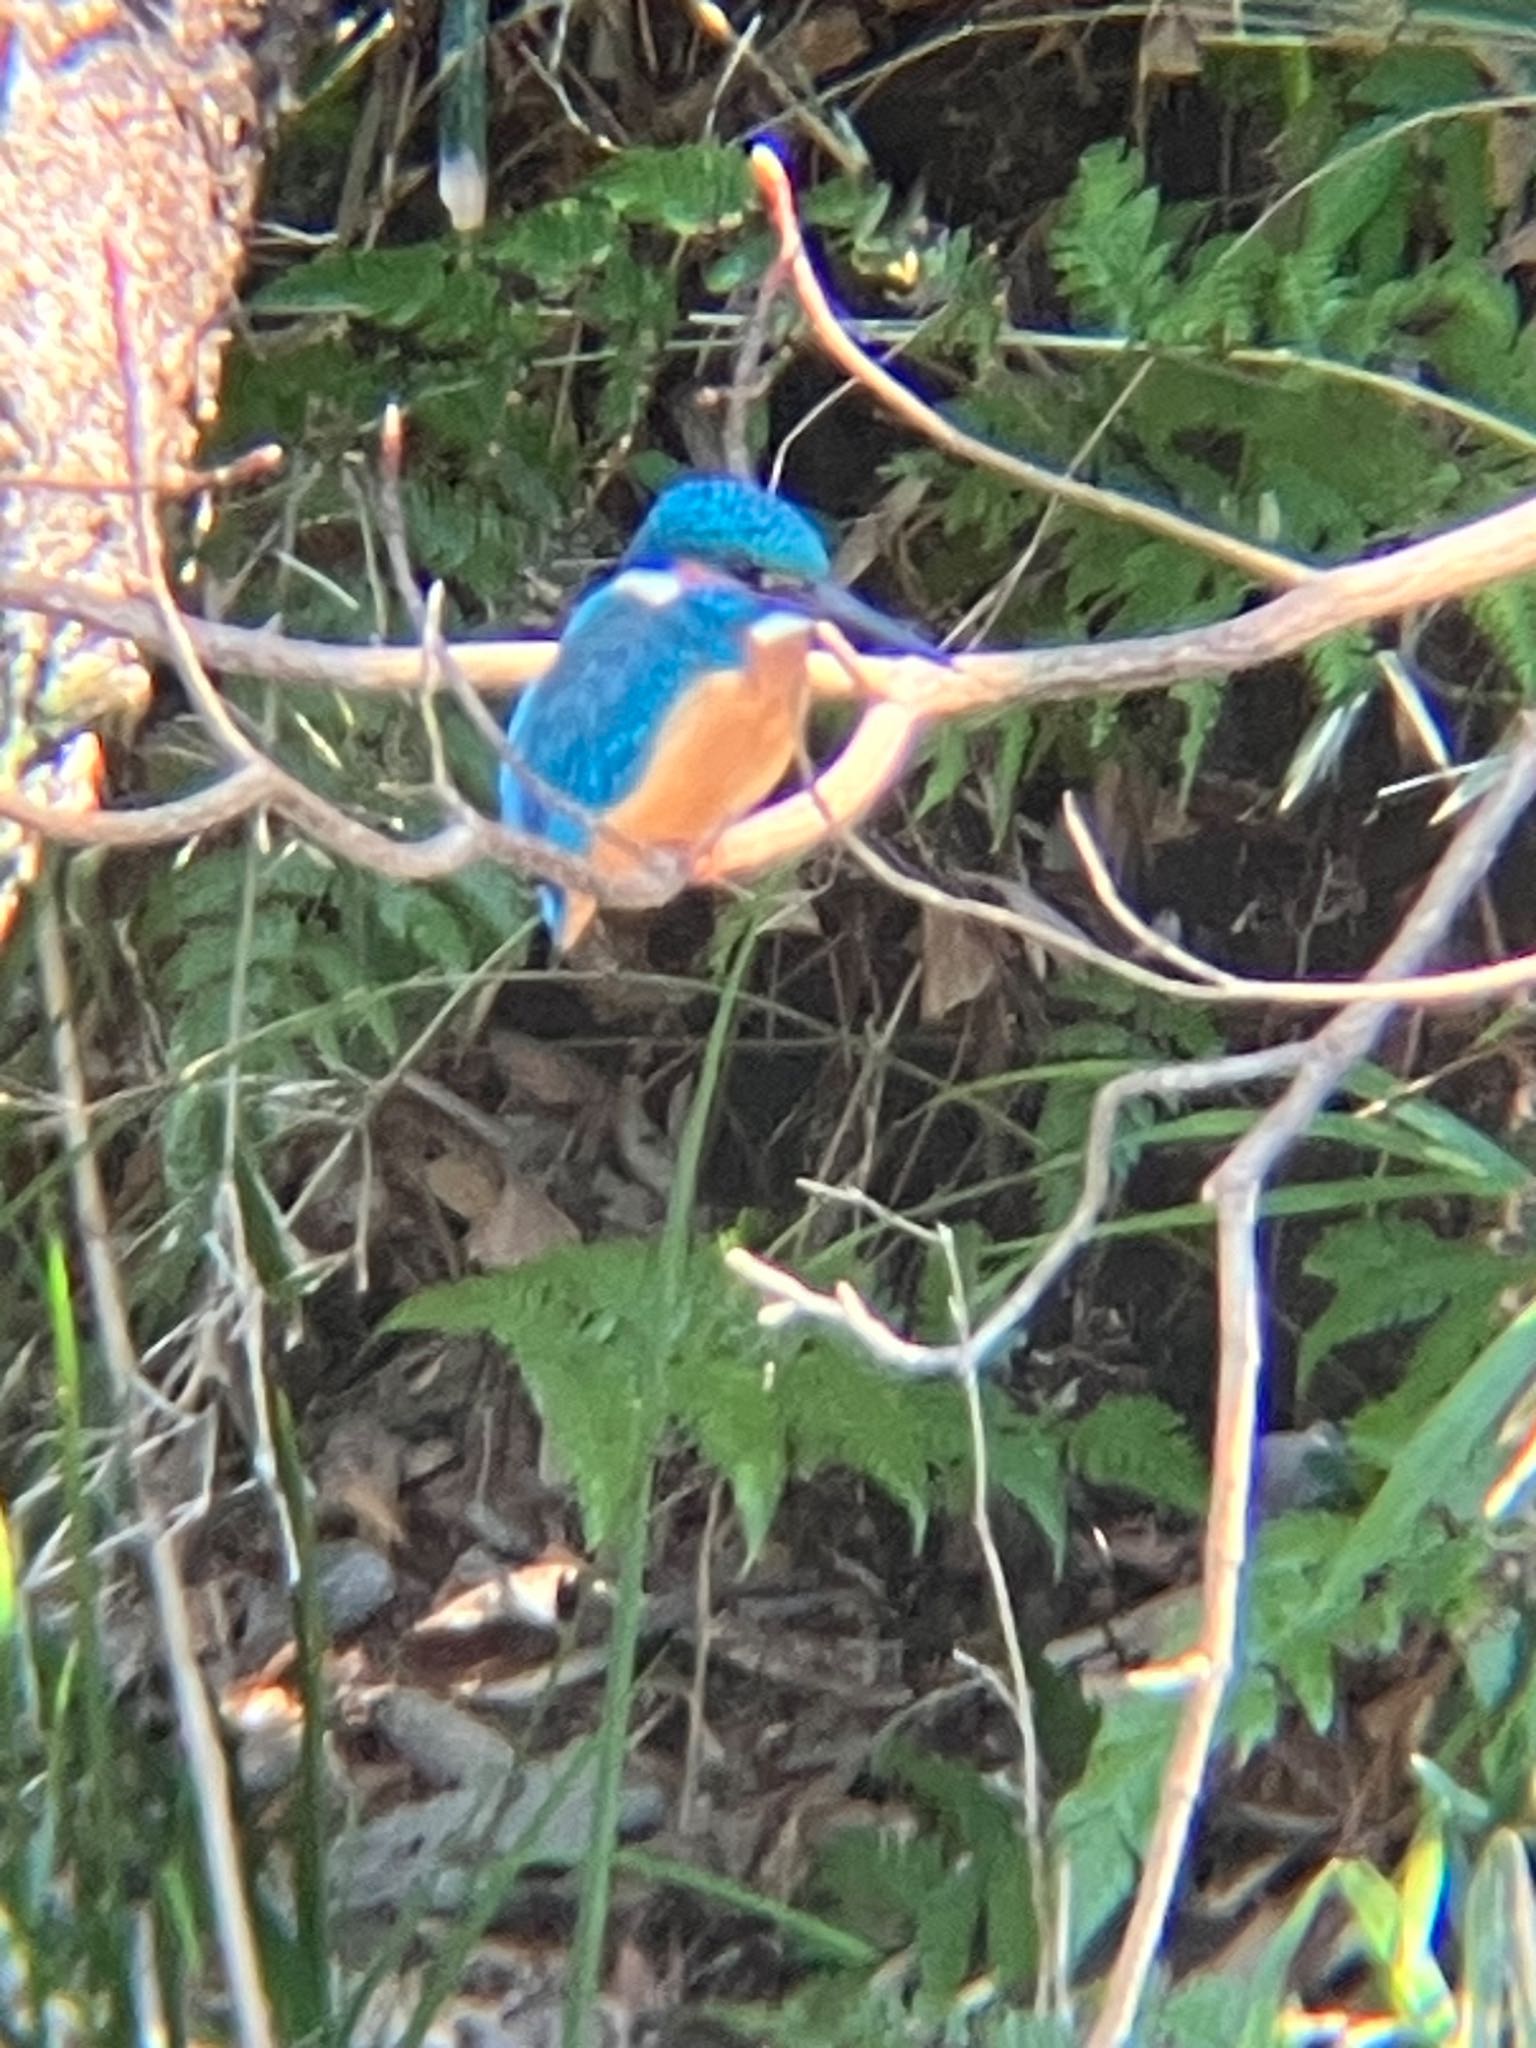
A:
(1445, 566)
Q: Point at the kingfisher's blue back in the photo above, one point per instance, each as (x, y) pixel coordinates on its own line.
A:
(629, 651)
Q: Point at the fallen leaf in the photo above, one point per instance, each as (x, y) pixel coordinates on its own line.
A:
(511, 1219)
(359, 1470)
(541, 1592)
(464, 1183)
(522, 1224)
(959, 962)
(546, 1074)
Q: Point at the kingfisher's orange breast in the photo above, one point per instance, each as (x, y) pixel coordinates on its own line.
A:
(723, 747)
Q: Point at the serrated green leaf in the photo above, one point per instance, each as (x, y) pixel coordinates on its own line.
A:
(734, 1418)
(1100, 1824)
(1140, 1443)
(691, 188)
(1386, 1271)
(559, 243)
(1106, 246)
(840, 1411)
(393, 286)
(949, 757)
(1506, 612)
(575, 1323)
(947, 1918)
(1024, 1458)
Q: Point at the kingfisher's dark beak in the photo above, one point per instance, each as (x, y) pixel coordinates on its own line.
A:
(864, 625)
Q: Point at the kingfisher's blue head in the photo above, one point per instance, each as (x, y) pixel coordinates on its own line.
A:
(741, 530)
(731, 525)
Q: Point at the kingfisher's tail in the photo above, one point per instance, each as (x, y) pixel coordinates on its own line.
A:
(566, 913)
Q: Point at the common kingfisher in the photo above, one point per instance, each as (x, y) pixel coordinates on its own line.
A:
(645, 732)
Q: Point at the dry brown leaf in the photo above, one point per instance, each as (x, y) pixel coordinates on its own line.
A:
(540, 1593)
(1511, 147)
(1517, 251)
(1170, 47)
(546, 1074)
(522, 1224)
(464, 1183)
(959, 962)
(359, 1470)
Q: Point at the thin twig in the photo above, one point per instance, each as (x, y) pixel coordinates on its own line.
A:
(713, 21)
(789, 1299)
(753, 341)
(1447, 988)
(391, 516)
(1049, 1996)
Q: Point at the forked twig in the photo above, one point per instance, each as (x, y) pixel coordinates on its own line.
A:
(1234, 1190)
(845, 1309)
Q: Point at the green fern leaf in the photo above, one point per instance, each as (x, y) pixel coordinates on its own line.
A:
(1109, 255)
(1025, 1458)
(1506, 612)
(1138, 1442)
(724, 1402)
(690, 189)
(396, 287)
(1341, 666)
(559, 243)
(1387, 1271)
(576, 1323)
(949, 759)
(1382, 1428)
(840, 1411)
(1221, 299)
